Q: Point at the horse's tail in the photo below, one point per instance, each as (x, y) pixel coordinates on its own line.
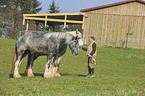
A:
(13, 63)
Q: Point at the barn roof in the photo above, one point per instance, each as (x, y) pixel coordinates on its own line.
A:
(111, 5)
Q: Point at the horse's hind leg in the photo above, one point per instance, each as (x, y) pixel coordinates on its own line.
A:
(19, 58)
(28, 70)
(16, 73)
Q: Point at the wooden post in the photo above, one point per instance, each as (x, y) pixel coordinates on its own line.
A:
(37, 23)
(27, 27)
(65, 21)
(83, 22)
(23, 20)
(86, 32)
(45, 23)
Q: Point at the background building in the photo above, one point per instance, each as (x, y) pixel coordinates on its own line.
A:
(119, 24)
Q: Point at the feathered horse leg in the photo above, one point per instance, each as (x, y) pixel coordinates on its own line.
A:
(56, 67)
(48, 67)
(28, 70)
(19, 58)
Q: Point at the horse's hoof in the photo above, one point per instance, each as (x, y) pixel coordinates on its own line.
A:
(30, 75)
(57, 75)
(17, 76)
(47, 76)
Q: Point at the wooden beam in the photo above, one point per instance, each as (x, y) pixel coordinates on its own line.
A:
(73, 21)
(55, 20)
(52, 14)
(34, 18)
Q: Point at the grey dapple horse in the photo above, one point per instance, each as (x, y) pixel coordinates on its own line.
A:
(51, 44)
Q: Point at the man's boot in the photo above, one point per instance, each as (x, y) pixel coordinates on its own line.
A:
(93, 74)
(89, 74)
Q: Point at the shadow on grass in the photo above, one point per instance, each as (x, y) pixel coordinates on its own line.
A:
(11, 75)
(23, 74)
(81, 75)
(64, 74)
(37, 74)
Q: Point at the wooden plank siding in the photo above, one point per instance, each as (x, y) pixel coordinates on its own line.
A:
(133, 8)
(111, 30)
(115, 21)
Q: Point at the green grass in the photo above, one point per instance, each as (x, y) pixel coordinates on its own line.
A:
(119, 72)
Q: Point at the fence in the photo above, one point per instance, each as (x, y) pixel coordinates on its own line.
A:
(116, 30)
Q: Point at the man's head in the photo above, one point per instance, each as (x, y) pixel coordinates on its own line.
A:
(92, 38)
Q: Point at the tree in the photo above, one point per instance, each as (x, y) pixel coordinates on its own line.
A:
(54, 9)
(30, 6)
(11, 15)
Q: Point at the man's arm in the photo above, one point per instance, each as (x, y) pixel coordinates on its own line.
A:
(85, 49)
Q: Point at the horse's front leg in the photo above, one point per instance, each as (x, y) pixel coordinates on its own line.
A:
(28, 70)
(48, 67)
(56, 67)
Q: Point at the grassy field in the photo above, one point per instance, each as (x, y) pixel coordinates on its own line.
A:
(119, 72)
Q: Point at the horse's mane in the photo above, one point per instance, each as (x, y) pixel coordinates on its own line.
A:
(53, 34)
(30, 32)
(57, 35)
(62, 34)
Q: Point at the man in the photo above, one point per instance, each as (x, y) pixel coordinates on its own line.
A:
(91, 53)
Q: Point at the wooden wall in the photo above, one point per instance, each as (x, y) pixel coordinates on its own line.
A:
(112, 30)
(133, 8)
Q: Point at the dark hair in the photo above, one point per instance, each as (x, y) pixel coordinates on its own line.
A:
(92, 37)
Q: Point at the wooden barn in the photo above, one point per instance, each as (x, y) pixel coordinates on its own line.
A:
(119, 24)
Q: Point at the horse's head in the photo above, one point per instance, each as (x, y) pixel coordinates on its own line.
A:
(78, 36)
(74, 46)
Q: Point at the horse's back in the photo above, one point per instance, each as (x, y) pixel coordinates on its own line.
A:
(36, 43)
